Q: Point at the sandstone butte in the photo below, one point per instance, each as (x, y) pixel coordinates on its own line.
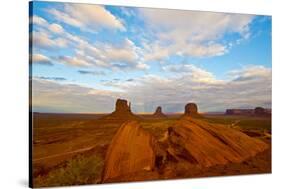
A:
(158, 113)
(122, 112)
(191, 109)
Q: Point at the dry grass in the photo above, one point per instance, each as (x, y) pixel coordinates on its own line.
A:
(77, 171)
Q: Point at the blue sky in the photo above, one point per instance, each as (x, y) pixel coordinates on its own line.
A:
(86, 56)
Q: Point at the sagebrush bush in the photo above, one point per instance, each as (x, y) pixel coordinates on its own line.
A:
(77, 171)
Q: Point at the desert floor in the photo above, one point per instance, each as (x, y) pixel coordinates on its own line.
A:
(69, 149)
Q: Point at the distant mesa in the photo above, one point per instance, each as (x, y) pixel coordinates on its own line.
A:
(158, 113)
(258, 111)
(122, 112)
(131, 152)
(239, 112)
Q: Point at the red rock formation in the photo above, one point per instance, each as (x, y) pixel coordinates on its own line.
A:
(122, 112)
(122, 106)
(132, 151)
(259, 111)
(191, 109)
(206, 144)
(158, 113)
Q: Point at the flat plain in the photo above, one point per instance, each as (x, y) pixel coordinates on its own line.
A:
(70, 149)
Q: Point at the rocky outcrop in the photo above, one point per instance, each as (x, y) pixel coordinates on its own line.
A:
(191, 110)
(206, 145)
(246, 112)
(122, 112)
(122, 106)
(158, 113)
(131, 151)
(259, 111)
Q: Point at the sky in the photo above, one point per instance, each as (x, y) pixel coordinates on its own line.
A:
(85, 56)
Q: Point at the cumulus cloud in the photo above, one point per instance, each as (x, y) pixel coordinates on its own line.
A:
(158, 51)
(172, 92)
(39, 21)
(122, 56)
(195, 25)
(194, 73)
(197, 85)
(48, 35)
(250, 73)
(74, 61)
(105, 55)
(56, 28)
(46, 41)
(51, 96)
(87, 17)
(41, 59)
(191, 33)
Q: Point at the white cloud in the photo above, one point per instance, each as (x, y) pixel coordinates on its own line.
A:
(158, 52)
(87, 17)
(53, 96)
(56, 28)
(41, 59)
(193, 84)
(44, 40)
(191, 33)
(122, 56)
(39, 21)
(195, 25)
(250, 72)
(194, 73)
(125, 55)
(172, 92)
(74, 61)
(142, 66)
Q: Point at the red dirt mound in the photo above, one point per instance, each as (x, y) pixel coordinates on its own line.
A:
(132, 151)
(205, 144)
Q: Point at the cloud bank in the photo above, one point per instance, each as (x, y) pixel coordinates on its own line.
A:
(172, 93)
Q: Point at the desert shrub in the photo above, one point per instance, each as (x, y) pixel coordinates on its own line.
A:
(77, 171)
